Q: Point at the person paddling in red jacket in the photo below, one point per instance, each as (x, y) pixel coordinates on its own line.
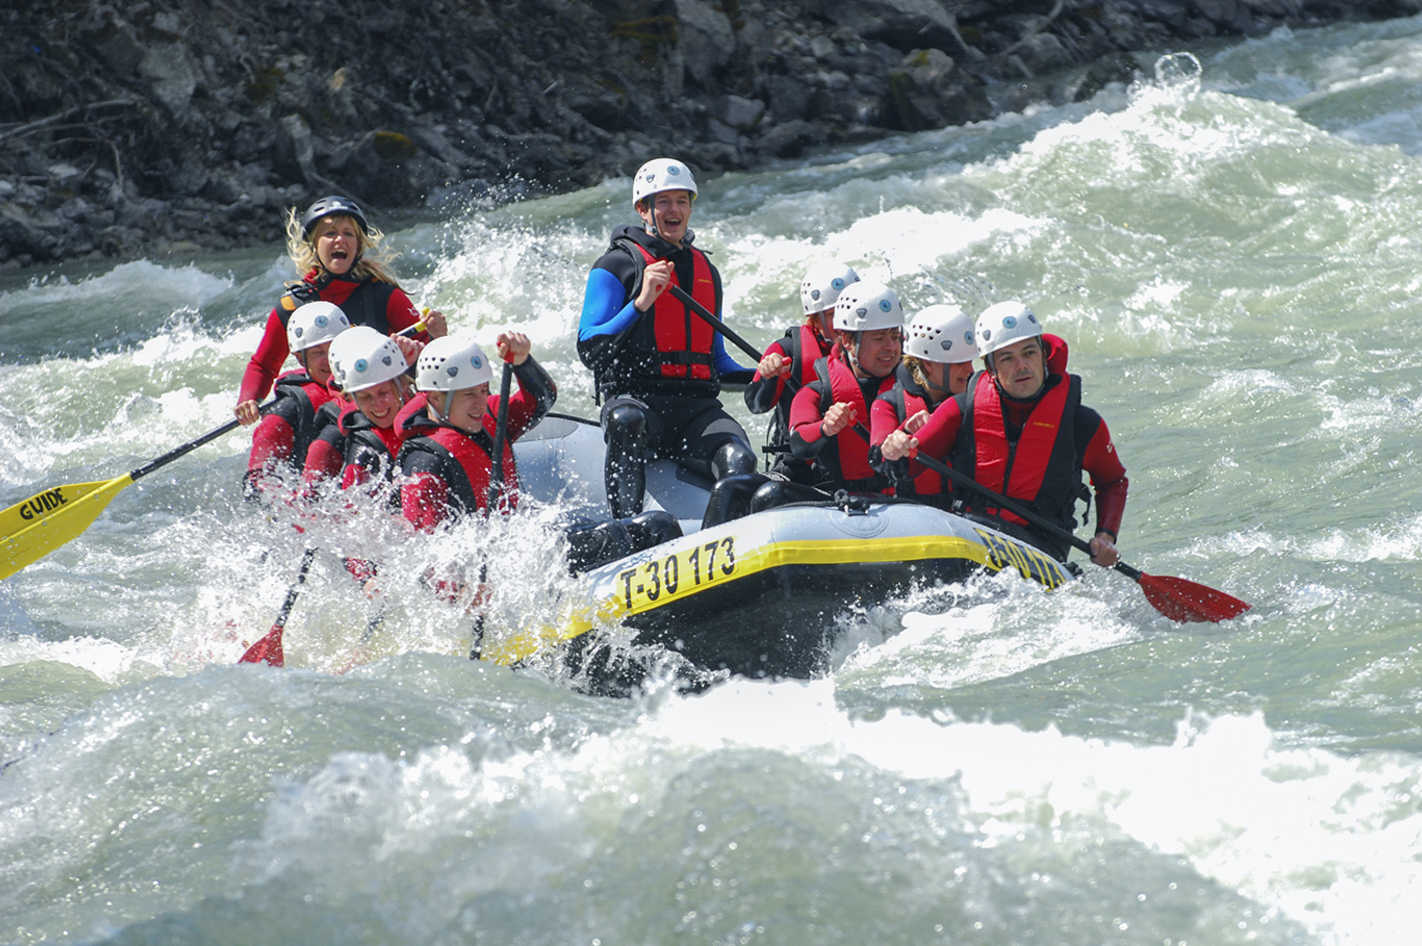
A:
(791, 360)
(448, 448)
(448, 452)
(336, 250)
(1021, 430)
(938, 362)
(305, 403)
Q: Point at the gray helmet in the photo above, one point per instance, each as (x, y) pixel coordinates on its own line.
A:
(332, 207)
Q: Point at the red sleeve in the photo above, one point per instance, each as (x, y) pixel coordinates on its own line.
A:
(323, 461)
(883, 420)
(266, 362)
(271, 441)
(938, 437)
(1108, 477)
(523, 408)
(401, 313)
(354, 475)
(424, 500)
(758, 394)
(805, 413)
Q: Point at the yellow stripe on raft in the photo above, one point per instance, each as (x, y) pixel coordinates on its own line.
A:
(651, 582)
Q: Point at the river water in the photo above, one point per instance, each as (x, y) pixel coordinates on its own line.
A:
(1233, 256)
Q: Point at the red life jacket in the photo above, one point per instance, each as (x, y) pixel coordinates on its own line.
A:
(907, 403)
(464, 462)
(803, 346)
(848, 467)
(677, 340)
(1041, 469)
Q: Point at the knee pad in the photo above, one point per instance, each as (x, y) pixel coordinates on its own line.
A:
(730, 498)
(624, 469)
(652, 528)
(591, 546)
(732, 458)
(626, 427)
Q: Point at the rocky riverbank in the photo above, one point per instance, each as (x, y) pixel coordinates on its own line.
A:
(170, 126)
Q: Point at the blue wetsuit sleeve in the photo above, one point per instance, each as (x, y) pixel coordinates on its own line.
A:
(726, 366)
(604, 312)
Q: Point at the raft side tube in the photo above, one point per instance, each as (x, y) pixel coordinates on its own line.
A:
(758, 595)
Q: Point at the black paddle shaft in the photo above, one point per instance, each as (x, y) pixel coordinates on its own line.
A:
(936, 466)
(192, 445)
(501, 429)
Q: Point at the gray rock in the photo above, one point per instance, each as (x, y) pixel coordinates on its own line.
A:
(172, 74)
(1043, 52)
(114, 42)
(789, 97)
(902, 24)
(789, 139)
(739, 113)
(705, 39)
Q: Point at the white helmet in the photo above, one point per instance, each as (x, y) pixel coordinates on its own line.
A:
(942, 333)
(866, 306)
(361, 358)
(451, 363)
(1005, 323)
(823, 284)
(661, 174)
(313, 324)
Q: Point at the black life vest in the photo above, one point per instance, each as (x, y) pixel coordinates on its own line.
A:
(668, 351)
(369, 448)
(365, 304)
(803, 346)
(299, 402)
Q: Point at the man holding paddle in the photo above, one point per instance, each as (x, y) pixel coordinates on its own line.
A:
(1020, 429)
(658, 365)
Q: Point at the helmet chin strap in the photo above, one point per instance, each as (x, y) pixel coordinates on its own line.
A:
(936, 387)
(852, 354)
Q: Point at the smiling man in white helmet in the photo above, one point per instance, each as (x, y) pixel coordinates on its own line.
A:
(448, 449)
(656, 362)
(1020, 429)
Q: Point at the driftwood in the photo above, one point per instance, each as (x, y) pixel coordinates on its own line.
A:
(60, 117)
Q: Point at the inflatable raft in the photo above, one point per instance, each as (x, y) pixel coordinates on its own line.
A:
(756, 596)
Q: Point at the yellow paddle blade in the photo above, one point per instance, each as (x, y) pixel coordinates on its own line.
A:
(31, 529)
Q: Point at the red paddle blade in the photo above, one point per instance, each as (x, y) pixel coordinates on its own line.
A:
(1182, 600)
(266, 651)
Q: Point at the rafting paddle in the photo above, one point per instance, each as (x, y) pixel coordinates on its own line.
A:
(1177, 598)
(32, 528)
(496, 488)
(268, 649)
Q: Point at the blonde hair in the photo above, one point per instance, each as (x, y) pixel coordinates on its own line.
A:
(915, 366)
(372, 264)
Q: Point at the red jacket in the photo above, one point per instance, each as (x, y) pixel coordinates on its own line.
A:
(396, 311)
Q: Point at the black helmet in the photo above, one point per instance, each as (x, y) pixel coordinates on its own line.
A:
(332, 207)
